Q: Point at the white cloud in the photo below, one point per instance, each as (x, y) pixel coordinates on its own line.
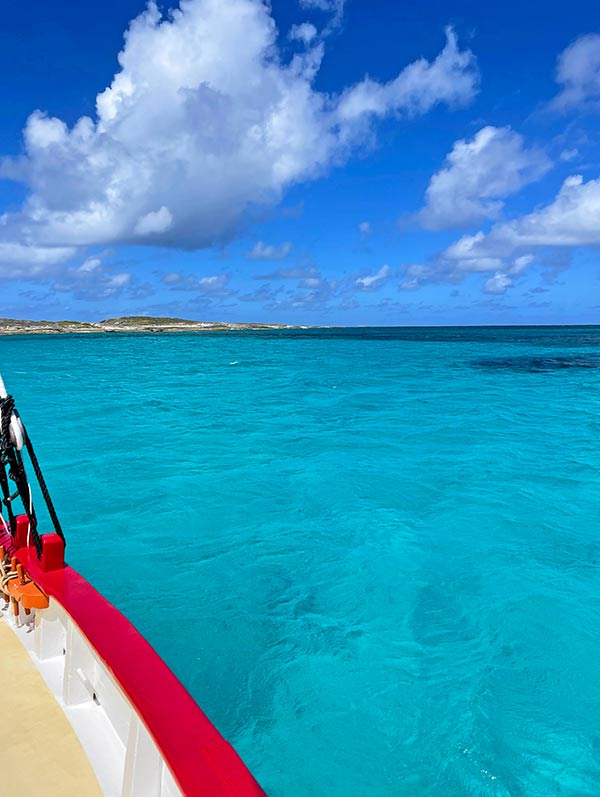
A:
(510, 248)
(578, 71)
(28, 262)
(477, 175)
(154, 222)
(324, 5)
(497, 284)
(305, 32)
(571, 219)
(43, 133)
(451, 78)
(92, 280)
(569, 154)
(521, 263)
(216, 284)
(372, 281)
(365, 229)
(213, 284)
(311, 291)
(91, 264)
(203, 125)
(260, 251)
(415, 274)
(333, 7)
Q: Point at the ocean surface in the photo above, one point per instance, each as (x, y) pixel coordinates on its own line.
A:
(372, 555)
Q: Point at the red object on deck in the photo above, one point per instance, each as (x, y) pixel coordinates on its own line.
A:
(21, 531)
(202, 762)
(53, 553)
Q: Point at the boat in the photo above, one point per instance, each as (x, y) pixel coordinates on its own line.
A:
(89, 707)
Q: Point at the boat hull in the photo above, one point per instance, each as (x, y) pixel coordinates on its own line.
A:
(143, 733)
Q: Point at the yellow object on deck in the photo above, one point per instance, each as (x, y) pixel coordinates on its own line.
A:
(39, 751)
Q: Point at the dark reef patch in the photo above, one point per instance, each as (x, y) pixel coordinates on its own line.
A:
(539, 363)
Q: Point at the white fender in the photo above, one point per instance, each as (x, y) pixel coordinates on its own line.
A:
(16, 427)
(16, 432)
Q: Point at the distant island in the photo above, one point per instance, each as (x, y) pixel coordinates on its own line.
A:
(133, 323)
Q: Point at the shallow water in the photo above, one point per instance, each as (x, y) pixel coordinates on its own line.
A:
(372, 555)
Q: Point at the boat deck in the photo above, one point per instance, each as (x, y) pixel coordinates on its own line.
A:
(40, 753)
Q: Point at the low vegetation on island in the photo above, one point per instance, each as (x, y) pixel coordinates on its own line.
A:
(10, 326)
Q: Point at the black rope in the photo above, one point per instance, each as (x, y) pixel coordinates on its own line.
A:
(7, 406)
(11, 457)
(6, 410)
(19, 476)
(43, 487)
(7, 500)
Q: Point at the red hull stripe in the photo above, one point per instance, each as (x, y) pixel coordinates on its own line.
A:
(202, 762)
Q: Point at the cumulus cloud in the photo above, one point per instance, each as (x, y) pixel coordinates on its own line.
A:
(571, 219)
(311, 290)
(28, 261)
(507, 250)
(215, 285)
(260, 251)
(451, 78)
(333, 7)
(93, 280)
(307, 288)
(578, 72)
(365, 229)
(305, 32)
(371, 282)
(312, 293)
(510, 248)
(153, 223)
(478, 173)
(415, 275)
(497, 284)
(204, 124)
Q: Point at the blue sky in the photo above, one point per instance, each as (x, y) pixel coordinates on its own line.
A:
(315, 161)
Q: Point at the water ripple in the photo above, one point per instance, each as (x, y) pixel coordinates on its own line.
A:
(390, 588)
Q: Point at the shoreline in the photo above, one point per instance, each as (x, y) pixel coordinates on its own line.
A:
(156, 325)
(129, 324)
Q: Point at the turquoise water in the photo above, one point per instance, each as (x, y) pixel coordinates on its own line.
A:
(373, 556)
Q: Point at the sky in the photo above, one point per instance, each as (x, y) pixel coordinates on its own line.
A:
(352, 162)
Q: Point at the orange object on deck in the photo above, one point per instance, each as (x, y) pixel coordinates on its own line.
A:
(28, 594)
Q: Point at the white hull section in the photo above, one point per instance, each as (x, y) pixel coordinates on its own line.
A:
(122, 753)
